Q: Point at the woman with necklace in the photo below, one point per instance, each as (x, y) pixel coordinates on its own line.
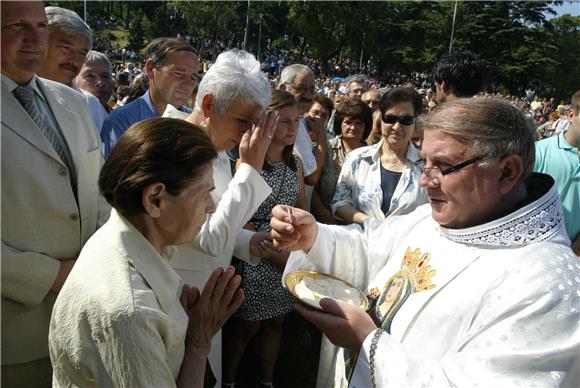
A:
(382, 180)
(267, 301)
(352, 124)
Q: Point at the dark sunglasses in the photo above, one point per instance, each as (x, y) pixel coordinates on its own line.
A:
(392, 119)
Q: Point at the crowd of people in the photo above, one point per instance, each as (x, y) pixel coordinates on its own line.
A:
(151, 211)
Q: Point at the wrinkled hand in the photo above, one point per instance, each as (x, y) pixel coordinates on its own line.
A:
(208, 311)
(257, 238)
(255, 143)
(293, 234)
(344, 325)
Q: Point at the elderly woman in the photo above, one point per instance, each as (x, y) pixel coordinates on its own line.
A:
(124, 317)
(382, 180)
(352, 125)
(267, 302)
(229, 108)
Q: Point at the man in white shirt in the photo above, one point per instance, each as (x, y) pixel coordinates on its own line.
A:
(298, 80)
(462, 295)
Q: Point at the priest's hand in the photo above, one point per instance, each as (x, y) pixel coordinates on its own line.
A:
(344, 325)
(293, 228)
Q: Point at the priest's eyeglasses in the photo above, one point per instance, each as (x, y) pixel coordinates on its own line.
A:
(435, 174)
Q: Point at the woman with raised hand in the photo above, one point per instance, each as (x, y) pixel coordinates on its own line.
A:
(383, 179)
(267, 302)
(124, 317)
(230, 108)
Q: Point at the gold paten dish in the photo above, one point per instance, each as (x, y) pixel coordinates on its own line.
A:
(311, 286)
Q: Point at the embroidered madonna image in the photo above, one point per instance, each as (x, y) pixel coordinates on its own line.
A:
(415, 276)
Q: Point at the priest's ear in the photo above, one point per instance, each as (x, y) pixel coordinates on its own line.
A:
(511, 169)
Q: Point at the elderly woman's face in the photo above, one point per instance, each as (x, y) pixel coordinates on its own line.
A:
(352, 128)
(185, 213)
(397, 133)
(228, 128)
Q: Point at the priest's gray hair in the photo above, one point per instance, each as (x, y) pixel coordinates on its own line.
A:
(489, 127)
(289, 73)
(69, 22)
(235, 75)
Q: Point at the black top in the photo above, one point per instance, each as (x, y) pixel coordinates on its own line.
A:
(389, 181)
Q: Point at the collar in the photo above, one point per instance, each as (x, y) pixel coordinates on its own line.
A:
(149, 102)
(154, 267)
(541, 219)
(563, 143)
(33, 83)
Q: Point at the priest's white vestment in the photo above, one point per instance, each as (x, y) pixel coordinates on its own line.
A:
(493, 305)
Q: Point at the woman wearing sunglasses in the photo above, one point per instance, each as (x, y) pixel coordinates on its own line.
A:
(382, 180)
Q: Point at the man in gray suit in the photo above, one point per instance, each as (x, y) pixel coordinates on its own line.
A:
(51, 158)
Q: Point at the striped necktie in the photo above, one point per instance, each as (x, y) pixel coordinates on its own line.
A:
(25, 95)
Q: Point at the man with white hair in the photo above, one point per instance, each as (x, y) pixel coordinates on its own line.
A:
(356, 85)
(96, 77)
(479, 287)
(298, 80)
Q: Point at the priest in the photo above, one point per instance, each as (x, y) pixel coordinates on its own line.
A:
(478, 287)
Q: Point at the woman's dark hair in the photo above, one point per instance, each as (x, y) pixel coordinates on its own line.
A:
(169, 151)
(282, 99)
(398, 95)
(354, 109)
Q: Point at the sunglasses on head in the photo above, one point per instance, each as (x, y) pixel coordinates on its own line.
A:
(392, 119)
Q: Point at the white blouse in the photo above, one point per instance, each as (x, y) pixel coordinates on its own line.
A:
(117, 321)
(359, 183)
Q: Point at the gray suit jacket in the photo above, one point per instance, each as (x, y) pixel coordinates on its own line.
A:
(41, 222)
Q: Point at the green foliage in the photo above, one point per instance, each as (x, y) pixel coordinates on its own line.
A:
(518, 44)
(136, 37)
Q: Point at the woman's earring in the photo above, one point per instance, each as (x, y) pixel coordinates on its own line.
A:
(204, 123)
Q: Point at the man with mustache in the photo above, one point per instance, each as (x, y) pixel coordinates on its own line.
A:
(69, 41)
(172, 68)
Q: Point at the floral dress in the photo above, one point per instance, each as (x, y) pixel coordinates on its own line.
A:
(265, 297)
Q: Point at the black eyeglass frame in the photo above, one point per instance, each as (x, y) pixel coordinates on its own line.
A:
(456, 167)
(399, 118)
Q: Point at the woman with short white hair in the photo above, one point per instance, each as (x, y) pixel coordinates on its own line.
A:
(230, 108)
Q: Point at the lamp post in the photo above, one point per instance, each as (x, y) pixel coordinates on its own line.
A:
(247, 26)
(259, 36)
(452, 29)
